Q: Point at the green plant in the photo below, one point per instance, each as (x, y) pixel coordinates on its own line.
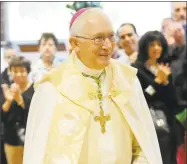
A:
(82, 4)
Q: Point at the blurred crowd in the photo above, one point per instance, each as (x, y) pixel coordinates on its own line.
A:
(159, 56)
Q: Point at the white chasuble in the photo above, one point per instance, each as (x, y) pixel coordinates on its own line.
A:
(61, 128)
(115, 145)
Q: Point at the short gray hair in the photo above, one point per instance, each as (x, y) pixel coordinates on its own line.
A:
(10, 45)
(78, 24)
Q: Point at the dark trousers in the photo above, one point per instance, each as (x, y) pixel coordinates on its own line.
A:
(2, 156)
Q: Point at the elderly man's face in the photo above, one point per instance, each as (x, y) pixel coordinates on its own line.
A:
(166, 26)
(179, 11)
(127, 37)
(9, 53)
(96, 41)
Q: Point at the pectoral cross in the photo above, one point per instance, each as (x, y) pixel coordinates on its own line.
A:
(102, 120)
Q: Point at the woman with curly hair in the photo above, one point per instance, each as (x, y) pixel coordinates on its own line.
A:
(15, 107)
(155, 78)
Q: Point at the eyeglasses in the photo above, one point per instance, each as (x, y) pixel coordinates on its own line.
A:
(100, 39)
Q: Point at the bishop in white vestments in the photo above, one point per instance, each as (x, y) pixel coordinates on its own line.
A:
(91, 109)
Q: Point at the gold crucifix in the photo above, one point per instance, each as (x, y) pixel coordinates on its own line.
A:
(102, 120)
